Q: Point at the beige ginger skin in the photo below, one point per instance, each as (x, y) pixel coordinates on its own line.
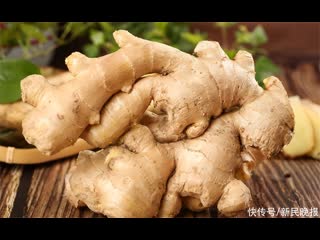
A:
(185, 98)
(207, 123)
(208, 84)
(12, 114)
(129, 180)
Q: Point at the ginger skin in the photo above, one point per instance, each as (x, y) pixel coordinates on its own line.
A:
(122, 181)
(11, 115)
(210, 125)
(205, 167)
(208, 84)
(186, 98)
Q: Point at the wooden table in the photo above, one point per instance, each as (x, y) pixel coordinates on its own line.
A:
(38, 191)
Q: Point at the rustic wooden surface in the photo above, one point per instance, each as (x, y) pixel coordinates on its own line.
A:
(9, 180)
(38, 191)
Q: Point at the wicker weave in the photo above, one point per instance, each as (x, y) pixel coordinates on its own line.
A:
(13, 155)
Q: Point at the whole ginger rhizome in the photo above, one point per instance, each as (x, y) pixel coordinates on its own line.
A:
(176, 129)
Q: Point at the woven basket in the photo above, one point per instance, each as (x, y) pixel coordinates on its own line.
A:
(13, 155)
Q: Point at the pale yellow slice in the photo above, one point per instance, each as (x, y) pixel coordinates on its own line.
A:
(302, 141)
(313, 112)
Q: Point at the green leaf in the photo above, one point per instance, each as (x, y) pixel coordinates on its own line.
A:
(11, 73)
(97, 37)
(31, 31)
(77, 28)
(243, 36)
(225, 24)
(265, 68)
(255, 38)
(91, 50)
(161, 25)
(193, 38)
(259, 36)
(184, 46)
(106, 27)
(174, 31)
(231, 53)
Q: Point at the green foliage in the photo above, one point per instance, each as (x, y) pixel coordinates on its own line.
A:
(91, 50)
(11, 73)
(23, 33)
(225, 24)
(99, 34)
(174, 34)
(231, 53)
(251, 41)
(100, 39)
(265, 68)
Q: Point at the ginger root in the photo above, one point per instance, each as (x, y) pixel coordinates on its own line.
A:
(208, 85)
(11, 115)
(306, 139)
(210, 124)
(303, 138)
(203, 93)
(122, 181)
(129, 179)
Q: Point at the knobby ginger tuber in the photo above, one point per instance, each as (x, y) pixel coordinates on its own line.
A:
(186, 98)
(188, 90)
(207, 123)
(11, 115)
(128, 180)
(122, 181)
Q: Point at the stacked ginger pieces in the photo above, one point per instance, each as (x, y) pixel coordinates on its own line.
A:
(177, 130)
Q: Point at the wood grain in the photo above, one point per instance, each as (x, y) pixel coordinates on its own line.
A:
(9, 183)
(282, 183)
(305, 79)
(278, 183)
(284, 77)
(46, 193)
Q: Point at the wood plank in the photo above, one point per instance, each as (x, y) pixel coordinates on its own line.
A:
(285, 80)
(283, 183)
(9, 182)
(306, 80)
(278, 183)
(46, 193)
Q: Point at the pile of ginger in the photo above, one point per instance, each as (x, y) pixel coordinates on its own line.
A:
(175, 130)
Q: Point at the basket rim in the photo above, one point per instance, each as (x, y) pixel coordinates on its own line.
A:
(13, 155)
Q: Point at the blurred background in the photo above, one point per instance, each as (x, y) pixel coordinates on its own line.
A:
(287, 50)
